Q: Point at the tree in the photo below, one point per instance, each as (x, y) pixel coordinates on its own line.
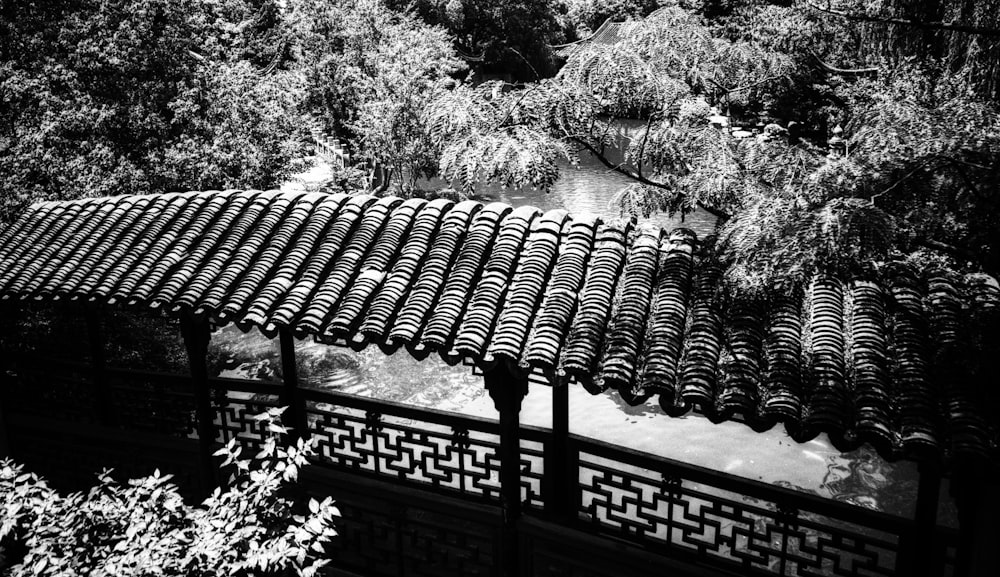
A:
(371, 72)
(662, 70)
(507, 38)
(859, 162)
(145, 528)
(105, 97)
(588, 15)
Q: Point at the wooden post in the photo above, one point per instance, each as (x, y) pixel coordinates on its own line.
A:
(4, 441)
(291, 397)
(98, 360)
(559, 473)
(196, 336)
(924, 554)
(6, 370)
(977, 497)
(507, 391)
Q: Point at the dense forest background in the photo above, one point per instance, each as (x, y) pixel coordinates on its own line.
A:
(872, 133)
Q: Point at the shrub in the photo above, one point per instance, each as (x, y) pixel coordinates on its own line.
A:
(144, 527)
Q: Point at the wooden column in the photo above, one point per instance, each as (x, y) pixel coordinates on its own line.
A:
(291, 396)
(925, 555)
(99, 363)
(559, 470)
(7, 323)
(977, 497)
(4, 442)
(196, 336)
(507, 391)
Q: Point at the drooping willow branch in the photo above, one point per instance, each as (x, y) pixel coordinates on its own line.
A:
(623, 171)
(842, 71)
(746, 86)
(981, 30)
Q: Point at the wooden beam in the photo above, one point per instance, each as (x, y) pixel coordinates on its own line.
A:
(507, 390)
(196, 335)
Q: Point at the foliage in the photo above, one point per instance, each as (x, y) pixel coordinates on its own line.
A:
(481, 140)
(588, 15)
(511, 38)
(657, 70)
(347, 180)
(145, 528)
(103, 97)
(370, 73)
(918, 148)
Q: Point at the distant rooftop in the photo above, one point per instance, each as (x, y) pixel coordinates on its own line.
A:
(607, 33)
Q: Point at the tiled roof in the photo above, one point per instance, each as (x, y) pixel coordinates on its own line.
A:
(606, 34)
(612, 305)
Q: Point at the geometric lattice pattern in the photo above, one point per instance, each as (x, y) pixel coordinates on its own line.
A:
(732, 521)
(441, 450)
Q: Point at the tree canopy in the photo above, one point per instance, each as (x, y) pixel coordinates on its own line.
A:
(859, 158)
(370, 73)
(868, 130)
(102, 97)
(512, 37)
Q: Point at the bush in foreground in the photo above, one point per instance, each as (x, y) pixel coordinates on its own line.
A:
(144, 528)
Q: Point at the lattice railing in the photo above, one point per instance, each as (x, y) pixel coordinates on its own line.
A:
(153, 402)
(659, 504)
(235, 403)
(63, 391)
(438, 449)
(721, 519)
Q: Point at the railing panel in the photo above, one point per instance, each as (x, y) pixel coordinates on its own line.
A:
(70, 455)
(235, 404)
(451, 457)
(437, 449)
(441, 450)
(533, 441)
(728, 521)
(153, 402)
(49, 388)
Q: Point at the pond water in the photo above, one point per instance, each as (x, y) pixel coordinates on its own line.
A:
(860, 477)
(589, 188)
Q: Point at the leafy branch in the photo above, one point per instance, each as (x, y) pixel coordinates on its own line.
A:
(949, 25)
(145, 528)
(641, 179)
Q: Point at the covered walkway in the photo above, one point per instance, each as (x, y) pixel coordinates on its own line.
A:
(897, 361)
